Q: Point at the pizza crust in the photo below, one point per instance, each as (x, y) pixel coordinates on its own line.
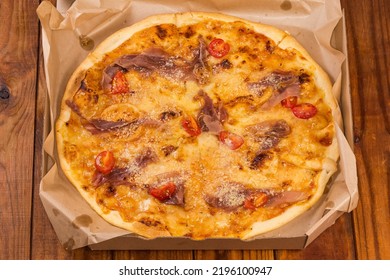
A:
(281, 38)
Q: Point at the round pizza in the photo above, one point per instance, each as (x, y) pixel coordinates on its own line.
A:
(198, 125)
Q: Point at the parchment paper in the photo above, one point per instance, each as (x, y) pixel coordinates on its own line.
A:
(68, 36)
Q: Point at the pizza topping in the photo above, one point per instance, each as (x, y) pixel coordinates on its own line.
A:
(231, 140)
(199, 64)
(268, 142)
(95, 126)
(223, 65)
(289, 102)
(277, 80)
(304, 110)
(211, 117)
(105, 162)
(326, 141)
(269, 133)
(104, 125)
(157, 60)
(163, 192)
(151, 60)
(169, 188)
(244, 99)
(228, 196)
(283, 84)
(278, 96)
(191, 126)
(119, 84)
(255, 200)
(259, 160)
(117, 176)
(145, 158)
(124, 175)
(278, 128)
(218, 48)
(169, 115)
(167, 150)
(285, 198)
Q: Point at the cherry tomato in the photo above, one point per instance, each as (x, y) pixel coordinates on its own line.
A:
(218, 48)
(255, 200)
(163, 192)
(119, 84)
(105, 162)
(232, 140)
(304, 110)
(289, 102)
(191, 126)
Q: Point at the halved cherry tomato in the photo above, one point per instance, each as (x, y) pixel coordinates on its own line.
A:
(119, 84)
(105, 162)
(163, 192)
(304, 110)
(230, 139)
(289, 102)
(191, 126)
(218, 48)
(255, 200)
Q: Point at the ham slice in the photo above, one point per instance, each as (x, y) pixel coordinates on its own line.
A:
(269, 133)
(96, 126)
(211, 116)
(284, 85)
(229, 196)
(286, 198)
(178, 179)
(124, 175)
(279, 95)
(157, 60)
(232, 195)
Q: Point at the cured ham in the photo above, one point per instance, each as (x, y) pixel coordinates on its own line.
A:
(124, 175)
(231, 196)
(169, 188)
(286, 198)
(211, 116)
(269, 133)
(283, 85)
(157, 60)
(98, 125)
(228, 196)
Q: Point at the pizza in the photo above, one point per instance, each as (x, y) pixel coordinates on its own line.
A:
(198, 125)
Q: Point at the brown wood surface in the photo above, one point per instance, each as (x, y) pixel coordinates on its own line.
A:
(25, 230)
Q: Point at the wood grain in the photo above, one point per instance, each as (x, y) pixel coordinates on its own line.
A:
(335, 243)
(369, 60)
(18, 56)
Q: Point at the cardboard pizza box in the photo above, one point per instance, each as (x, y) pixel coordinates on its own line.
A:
(318, 25)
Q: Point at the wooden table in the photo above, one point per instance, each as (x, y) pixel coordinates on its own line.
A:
(25, 230)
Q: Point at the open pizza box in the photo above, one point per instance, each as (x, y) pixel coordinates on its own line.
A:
(74, 28)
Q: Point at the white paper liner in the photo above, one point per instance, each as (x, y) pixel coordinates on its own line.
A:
(310, 22)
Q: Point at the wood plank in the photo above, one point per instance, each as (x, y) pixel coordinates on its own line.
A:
(41, 227)
(335, 243)
(258, 255)
(233, 254)
(153, 255)
(369, 57)
(18, 69)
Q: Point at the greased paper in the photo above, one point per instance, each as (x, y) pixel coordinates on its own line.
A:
(76, 28)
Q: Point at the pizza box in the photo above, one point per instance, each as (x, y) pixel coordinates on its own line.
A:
(318, 25)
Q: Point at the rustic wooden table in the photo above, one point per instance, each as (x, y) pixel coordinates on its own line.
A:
(25, 230)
